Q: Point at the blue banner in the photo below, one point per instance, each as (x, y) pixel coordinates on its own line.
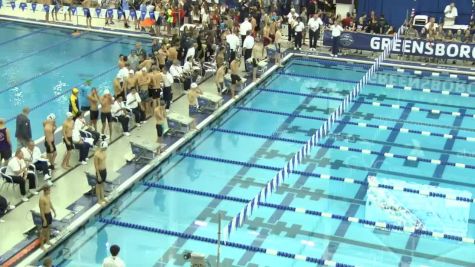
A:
(33, 6)
(73, 10)
(13, 5)
(415, 47)
(98, 12)
(119, 14)
(143, 13)
(152, 15)
(46, 8)
(109, 13)
(22, 6)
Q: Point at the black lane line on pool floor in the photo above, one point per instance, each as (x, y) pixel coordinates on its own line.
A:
(413, 241)
(191, 229)
(362, 190)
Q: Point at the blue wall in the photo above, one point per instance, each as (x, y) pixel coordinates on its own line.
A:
(395, 11)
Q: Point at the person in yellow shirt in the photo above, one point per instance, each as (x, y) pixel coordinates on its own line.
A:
(74, 102)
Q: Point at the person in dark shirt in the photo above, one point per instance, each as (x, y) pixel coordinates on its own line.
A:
(23, 128)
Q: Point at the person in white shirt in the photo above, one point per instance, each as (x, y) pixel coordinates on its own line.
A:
(133, 102)
(81, 143)
(113, 260)
(191, 51)
(314, 25)
(18, 171)
(291, 20)
(247, 46)
(119, 111)
(233, 42)
(176, 71)
(244, 28)
(122, 76)
(336, 32)
(32, 155)
(167, 88)
(299, 28)
(451, 13)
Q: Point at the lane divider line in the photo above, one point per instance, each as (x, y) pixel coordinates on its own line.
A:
(398, 87)
(373, 224)
(362, 124)
(23, 36)
(58, 67)
(398, 69)
(330, 177)
(223, 243)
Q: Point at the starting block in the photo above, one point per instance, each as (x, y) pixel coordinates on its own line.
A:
(143, 153)
(179, 124)
(210, 102)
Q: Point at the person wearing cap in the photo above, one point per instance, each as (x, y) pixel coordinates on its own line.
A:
(18, 171)
(122, 77)
(84, 92)
(193, 95)
(49, 127)
(5, 143)
(23, 128)
(291, 20)
(74, 102)
(167, 88)
(94, 100)
(68, 125)
(160, 121)
(106, 115)
(120, 111)
(100, 160)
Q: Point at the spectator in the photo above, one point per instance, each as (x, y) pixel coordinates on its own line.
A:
(119, 111)
(291, 21)
(32, 155)
(23, 128)
(299, 28)
(113, 260)
(346, 22)
(18, 171)
(5, 143)
(451, 13)
(244, 29)
(80, 142)
(248, 46)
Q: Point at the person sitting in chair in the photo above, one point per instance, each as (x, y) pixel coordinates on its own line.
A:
(18, 171)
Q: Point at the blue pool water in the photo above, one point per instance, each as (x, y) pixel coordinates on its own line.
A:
(224, 166)
(39, 66)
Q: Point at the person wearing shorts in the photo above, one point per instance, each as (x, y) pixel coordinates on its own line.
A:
(69, 144)
(50, 149)
(106, 116)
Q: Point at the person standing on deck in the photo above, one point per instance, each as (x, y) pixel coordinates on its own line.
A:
(46, 211)
(100, 158)
(23, 128)
(5, 143)
(49, 126)
(74, 102)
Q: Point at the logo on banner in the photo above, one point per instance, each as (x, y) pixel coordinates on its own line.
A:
(22, 6)
(73, 10)
(46, 8)
(133, 14)
(98, 12)
(346, 39)
(109, 13)
(33, 6)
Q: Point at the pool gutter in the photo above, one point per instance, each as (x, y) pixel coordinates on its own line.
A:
(117, 192)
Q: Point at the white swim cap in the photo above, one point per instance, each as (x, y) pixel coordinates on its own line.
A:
(194, 85)
(51, 117)
(104, 144)
(107, 92)
(69, 115)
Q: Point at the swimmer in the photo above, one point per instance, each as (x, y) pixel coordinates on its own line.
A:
(68, 139)
(49, 126)
(94, 100)
(235, 78)
(76, 33)
(193, 95)
(46, 208)
(100, 158)
(219, 78)
(106, 115)
(155, 86)
(160, 121)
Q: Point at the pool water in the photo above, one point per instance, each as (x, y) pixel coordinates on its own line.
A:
(228, 164)
(39, 66)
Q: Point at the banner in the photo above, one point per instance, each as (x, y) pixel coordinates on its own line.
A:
(33, 6)
(416, 47)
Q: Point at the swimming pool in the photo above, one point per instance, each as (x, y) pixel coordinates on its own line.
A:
(175, 209)
(40, 65)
